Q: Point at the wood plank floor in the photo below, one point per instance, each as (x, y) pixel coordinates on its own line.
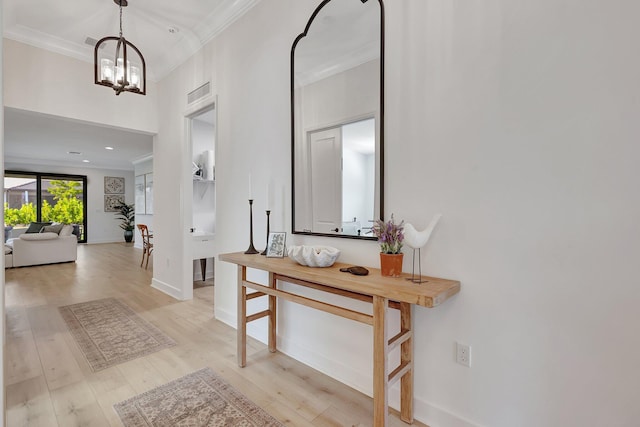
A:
(49, 384)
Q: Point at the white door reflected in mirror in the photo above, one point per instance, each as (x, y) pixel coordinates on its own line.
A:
(325, 154)
(342, 186)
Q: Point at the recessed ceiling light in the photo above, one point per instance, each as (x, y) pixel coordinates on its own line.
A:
(77, 153)
(85, 161)
(108, 148)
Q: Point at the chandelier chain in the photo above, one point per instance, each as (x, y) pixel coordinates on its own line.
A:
(120, 19)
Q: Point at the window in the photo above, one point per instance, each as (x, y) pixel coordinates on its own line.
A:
(32, 196)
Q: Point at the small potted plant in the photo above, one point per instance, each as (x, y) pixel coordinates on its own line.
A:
(390, 236)
(127, 215)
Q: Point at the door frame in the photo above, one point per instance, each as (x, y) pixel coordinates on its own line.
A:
(201, 106)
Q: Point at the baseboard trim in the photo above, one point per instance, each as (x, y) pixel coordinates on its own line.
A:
(225, 316)
(167, 289)
(425, 412)
(349, 375)
(97, 242)
(435, 416)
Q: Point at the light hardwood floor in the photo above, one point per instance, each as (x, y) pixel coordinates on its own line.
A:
(49, 384)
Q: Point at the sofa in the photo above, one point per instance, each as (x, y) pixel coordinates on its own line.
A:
(44, 247)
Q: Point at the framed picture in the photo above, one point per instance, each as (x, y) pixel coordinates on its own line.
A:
(113, 185)
(276, 244)
(112, 201)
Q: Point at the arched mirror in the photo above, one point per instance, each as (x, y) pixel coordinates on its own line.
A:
(337, 120)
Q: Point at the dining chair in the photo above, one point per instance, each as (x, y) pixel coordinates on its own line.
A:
(147, 246)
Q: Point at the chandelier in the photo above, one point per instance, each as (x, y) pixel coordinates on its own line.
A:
(118, 64)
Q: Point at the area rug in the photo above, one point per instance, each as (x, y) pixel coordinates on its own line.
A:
(109, 332)
(200, 399)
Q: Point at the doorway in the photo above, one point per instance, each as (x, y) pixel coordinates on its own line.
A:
(203, 131)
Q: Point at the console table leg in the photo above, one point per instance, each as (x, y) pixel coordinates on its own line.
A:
(272, 314)
(380, 350)
(406, 357)
(242, 317)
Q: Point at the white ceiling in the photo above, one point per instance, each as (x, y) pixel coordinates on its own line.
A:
(166, 32)
(39, 139)
(63, 26)
(342, 36)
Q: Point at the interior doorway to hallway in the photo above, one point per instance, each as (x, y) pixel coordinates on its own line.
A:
(202, 132)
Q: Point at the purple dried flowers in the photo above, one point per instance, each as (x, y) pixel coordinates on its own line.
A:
(390, 235)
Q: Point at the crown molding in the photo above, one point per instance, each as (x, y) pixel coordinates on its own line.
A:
(143, 158)
(48, 42)
(337, 65)
(223, 16)
(212, 25)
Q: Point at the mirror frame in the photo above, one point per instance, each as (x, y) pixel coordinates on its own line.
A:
(293, 131)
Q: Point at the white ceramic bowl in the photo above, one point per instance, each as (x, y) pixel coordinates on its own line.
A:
(314, 256)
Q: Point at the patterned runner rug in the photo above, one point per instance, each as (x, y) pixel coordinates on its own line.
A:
(110, 332)
(200, 399)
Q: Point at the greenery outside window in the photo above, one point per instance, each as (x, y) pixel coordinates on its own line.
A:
(39, 197)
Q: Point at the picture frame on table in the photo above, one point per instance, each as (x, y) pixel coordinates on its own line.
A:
(276, 244)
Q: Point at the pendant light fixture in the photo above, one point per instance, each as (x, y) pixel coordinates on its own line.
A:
(118, 64)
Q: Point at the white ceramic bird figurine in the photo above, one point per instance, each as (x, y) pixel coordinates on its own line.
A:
(416, 239)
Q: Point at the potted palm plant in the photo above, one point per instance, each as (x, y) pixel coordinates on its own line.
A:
(127, 215)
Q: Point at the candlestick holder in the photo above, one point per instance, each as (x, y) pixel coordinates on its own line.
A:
(251, 249)
(266, 245)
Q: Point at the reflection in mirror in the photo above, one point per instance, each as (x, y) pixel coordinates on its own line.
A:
(337, 120)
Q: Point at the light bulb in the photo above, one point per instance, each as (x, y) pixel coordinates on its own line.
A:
(106, 70)
(119, 72)
(134, 77)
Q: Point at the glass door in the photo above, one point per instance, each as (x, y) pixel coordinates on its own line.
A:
(62, 200)
(36, 197)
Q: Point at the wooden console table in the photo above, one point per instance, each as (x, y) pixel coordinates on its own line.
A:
(382, 292)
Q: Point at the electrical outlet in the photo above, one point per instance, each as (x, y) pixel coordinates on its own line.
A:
(463, 354)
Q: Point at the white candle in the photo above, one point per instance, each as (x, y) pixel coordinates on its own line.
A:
(250, 188)
(269, 199)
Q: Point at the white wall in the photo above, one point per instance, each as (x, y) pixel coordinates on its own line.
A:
(244, 148)
(517, 121)
(50, 83)
(103, 227)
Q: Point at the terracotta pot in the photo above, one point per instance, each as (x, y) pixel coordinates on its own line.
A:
(391, 264)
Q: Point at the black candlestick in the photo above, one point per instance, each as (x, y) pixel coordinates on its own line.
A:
(266, 246)
(251, 249)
